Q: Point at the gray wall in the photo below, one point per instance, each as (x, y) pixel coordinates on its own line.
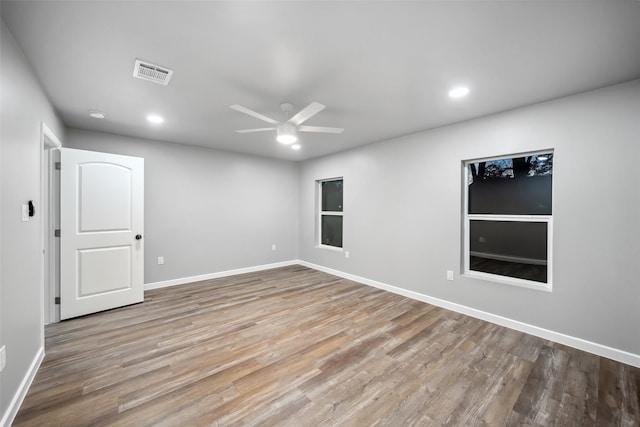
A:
(23, 107)
(206, 210)
(402, 207)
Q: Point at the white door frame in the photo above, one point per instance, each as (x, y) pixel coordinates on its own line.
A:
(48, 204)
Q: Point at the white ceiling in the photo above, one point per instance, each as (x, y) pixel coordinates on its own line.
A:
(382, 68)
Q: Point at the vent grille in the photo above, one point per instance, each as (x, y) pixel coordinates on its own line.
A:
(153, 73)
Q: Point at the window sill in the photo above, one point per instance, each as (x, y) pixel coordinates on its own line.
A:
(331, 248)
(512, 281)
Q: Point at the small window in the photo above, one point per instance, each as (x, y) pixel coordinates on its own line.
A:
(508, 219)
(330, 212)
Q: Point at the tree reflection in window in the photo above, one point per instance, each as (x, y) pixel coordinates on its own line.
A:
(541, 164)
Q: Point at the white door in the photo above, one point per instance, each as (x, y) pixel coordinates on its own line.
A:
(101, 230)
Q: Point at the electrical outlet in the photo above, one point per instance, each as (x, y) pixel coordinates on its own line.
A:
(449, 275)
(3, 357)
(273, 247)
(346, 254)
(160, 260)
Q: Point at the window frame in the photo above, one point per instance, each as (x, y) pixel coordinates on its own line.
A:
(467, 218)
(321, 213)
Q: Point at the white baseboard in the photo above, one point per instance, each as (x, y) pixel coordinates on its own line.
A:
(209, 276)
(579, 343)
(21, 393)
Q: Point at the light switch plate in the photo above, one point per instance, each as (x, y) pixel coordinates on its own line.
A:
(160, 260)
(25, 212)
(3, 357)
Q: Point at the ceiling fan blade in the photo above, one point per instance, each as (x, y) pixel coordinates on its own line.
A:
(254, 130)
(252, 113)
(321, 129)
(306, 113)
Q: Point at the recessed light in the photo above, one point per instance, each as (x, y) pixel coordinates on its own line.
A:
(97, 114)
(295, 147)
(458, 92)
(155, 119)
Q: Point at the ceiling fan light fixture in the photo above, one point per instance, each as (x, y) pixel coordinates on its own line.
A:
(286, 134)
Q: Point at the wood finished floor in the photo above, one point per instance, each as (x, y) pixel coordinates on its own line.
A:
(298, 347)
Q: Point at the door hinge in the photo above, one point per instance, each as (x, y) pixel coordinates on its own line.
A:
(58, 166)
(56, 233)
(56, 300)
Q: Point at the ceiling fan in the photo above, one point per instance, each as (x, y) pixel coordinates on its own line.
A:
(287, 131)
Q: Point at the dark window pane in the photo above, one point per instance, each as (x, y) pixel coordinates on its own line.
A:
(332, 196)
(332, 230)
(518, 186)
(535, 273)
(509, 248)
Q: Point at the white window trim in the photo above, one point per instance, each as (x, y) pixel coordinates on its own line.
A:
(510, 156)
(322, 213)
(548, 219)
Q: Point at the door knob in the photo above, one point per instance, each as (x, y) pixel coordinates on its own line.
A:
(138, 236)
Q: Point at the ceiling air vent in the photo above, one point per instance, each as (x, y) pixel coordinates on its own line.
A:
(153, 73)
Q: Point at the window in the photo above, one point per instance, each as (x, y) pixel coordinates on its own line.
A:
(330, 212)
(508, 219)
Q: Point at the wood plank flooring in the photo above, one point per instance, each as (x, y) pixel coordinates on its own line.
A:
(297, 347)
